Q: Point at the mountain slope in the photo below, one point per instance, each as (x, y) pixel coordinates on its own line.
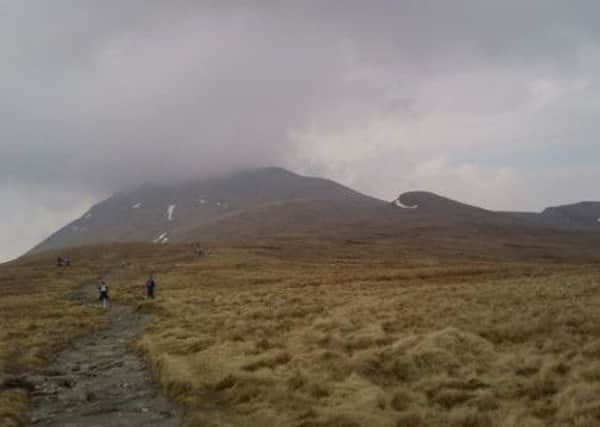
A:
(431, 204)
(275, 201)
(272, 199)
(578, 215)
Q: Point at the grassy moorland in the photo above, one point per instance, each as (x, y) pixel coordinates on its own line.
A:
(310, 332)
(37, 317)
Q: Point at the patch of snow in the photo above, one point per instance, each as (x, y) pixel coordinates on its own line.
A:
(161, 238)
(202, 201)
(87, 216)
(170, 211)
(137, 205)
(218, 203)
(398, 203)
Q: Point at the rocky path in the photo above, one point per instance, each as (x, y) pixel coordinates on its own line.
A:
(98, 381)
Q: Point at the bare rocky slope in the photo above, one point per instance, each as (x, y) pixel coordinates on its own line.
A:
(274, 201)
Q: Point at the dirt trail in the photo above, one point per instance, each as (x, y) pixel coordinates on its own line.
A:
(98, 381)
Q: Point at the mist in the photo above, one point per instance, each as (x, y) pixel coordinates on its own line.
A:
(492, 103)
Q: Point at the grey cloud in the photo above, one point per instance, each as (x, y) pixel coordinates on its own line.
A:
(97, 95)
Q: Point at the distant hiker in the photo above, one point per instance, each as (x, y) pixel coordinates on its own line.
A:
(60, 261)
(198, 250)
(150, 287)
(103, 289)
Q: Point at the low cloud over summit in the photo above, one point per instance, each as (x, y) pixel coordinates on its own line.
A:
(493, 103)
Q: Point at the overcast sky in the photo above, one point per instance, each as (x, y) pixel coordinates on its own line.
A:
(495, 103)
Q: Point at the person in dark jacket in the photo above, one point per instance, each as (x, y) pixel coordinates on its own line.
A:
(150, 287)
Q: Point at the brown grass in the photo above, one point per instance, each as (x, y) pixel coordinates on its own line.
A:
(300, 336)
(305, 332)
(38, 316)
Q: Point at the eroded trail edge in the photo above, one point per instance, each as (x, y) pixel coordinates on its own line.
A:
(98, 381)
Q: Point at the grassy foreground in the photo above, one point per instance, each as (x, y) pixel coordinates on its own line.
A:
(306, 332)
(37, 318)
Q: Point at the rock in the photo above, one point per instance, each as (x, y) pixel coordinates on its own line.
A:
(166, 414)
(17, 382)
(66, 382)
(53, 373)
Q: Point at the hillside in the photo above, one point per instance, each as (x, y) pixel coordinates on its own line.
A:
(269, 200)
(579, 215)
(307, 331)
(272, 201)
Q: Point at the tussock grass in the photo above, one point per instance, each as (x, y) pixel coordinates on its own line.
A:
(306, 332)
(330, 338)
(38, 315)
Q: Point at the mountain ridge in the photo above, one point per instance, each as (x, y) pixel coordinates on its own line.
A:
(276, 201)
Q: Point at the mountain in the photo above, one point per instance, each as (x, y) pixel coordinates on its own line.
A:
(271, 201)
(426, 204)
(264, 200)
(578, 215)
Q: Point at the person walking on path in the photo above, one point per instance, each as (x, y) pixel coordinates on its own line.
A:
(150, 287)
(103, 289)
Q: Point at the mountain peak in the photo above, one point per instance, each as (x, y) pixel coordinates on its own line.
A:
(269, 199)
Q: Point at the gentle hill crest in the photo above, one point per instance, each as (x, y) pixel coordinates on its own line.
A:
(577, 214)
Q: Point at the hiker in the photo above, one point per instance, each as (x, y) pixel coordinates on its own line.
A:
(150, 286)
(198, 250)
(103, 289)
(59, 261)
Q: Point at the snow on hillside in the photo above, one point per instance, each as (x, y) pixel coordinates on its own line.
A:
(162, 238)
(170, 211)
(398, 203)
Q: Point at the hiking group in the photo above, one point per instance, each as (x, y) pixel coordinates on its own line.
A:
(103, 290)
(63, 262)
